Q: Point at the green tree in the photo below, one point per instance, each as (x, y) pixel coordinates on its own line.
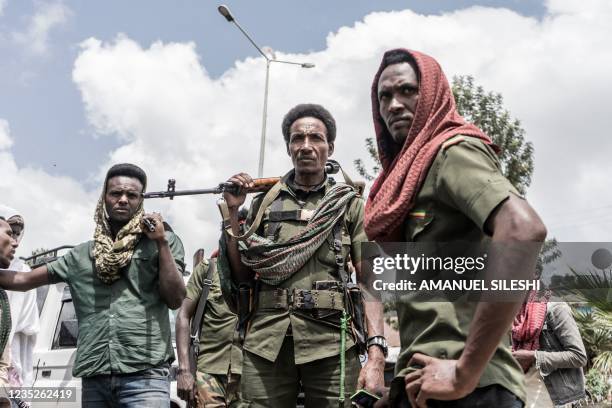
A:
(485, 110)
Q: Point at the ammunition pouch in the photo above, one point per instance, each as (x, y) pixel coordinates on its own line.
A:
(301, 299)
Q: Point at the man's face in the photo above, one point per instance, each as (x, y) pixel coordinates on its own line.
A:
(398, 93)
(17, 231)
(123, 197)
(7, 244)
(308, 146)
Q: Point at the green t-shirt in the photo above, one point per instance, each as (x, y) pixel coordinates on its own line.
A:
(219, 348)
(312, 339)
(124, 327)
(462, 188)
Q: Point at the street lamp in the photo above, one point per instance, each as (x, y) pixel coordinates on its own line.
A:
(225, 12)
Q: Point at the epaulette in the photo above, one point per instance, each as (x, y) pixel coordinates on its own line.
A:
(453, 141)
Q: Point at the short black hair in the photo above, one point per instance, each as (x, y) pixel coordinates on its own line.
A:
(313, 110)
(397, 57)
(127, 170)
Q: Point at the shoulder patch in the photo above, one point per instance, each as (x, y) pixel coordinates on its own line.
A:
(452, 141)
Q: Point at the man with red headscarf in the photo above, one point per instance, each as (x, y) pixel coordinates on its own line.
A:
(441, 182)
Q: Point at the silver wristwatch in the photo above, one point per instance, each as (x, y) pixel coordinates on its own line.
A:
(379, 341)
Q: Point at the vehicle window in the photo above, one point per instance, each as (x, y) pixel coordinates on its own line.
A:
(66, 331)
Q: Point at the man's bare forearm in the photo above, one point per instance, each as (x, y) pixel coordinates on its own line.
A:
(171, 285)
(373, 309)
(183, 334)
(19, 281)
(518, 233)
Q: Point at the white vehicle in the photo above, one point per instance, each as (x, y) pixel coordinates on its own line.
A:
(55, 350)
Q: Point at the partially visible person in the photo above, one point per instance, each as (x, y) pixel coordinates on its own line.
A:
(8, 245)
(122, 282)
(219, 360)
(24, 314)
(547, 344)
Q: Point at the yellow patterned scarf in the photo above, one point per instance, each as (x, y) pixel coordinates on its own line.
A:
(112, 255)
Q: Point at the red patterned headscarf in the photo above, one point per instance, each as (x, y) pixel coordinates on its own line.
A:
(403, 170)
(529, 321)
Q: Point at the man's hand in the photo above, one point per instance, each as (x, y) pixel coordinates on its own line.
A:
(242, 180)
(526, 358)
(156, 219)
(383, 402)
(372, 375)
(438, 379)
(185, 385)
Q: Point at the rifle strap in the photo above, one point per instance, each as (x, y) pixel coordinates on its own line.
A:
(196, 322)
(267, 200)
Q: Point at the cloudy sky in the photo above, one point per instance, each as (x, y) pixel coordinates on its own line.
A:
(176, 89)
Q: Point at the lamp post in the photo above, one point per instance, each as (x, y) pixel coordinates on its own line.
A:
(225, 12)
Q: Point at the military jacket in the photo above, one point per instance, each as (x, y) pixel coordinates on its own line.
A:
(463, 187)
(219, 350)
(313, 339)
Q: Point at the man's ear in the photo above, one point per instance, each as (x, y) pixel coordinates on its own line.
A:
(331, 148)
(287, 146)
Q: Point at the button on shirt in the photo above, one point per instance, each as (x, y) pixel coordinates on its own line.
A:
(123, 327)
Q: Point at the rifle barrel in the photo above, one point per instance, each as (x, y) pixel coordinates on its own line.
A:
(165, 194)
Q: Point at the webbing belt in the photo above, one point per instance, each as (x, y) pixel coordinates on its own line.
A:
(302, 299)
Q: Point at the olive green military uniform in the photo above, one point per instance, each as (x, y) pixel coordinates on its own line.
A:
(220, 357)
(462, 188)
(124, 327)
(286, 346)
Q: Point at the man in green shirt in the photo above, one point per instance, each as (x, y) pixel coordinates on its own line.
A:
(122, 284)
(441, 182)
(295, 335)
(219, 363)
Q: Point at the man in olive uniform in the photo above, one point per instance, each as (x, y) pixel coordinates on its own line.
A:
(446, 185)
(122, 284)
(295, 336)
(219, 363)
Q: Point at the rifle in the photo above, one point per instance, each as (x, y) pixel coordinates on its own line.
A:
(260, 185)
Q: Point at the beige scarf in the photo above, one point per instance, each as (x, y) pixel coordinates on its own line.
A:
(112, 255)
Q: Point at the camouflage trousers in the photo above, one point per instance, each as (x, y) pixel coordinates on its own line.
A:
(215, 391)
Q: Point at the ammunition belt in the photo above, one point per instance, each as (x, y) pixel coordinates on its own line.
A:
(301, 299)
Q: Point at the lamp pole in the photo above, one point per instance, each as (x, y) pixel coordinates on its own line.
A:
(225, 12)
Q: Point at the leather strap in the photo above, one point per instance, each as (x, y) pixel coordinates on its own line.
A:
(196, 321)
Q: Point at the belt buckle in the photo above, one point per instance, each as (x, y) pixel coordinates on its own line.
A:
(303, 299)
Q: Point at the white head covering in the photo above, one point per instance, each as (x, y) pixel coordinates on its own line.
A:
(7, 212)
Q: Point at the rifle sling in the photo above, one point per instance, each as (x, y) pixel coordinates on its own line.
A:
(196, 322)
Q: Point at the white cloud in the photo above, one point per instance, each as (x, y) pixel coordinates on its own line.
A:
(176, 121)
(2, 6)
(5, 135)
(57, 210)
(47, 17)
